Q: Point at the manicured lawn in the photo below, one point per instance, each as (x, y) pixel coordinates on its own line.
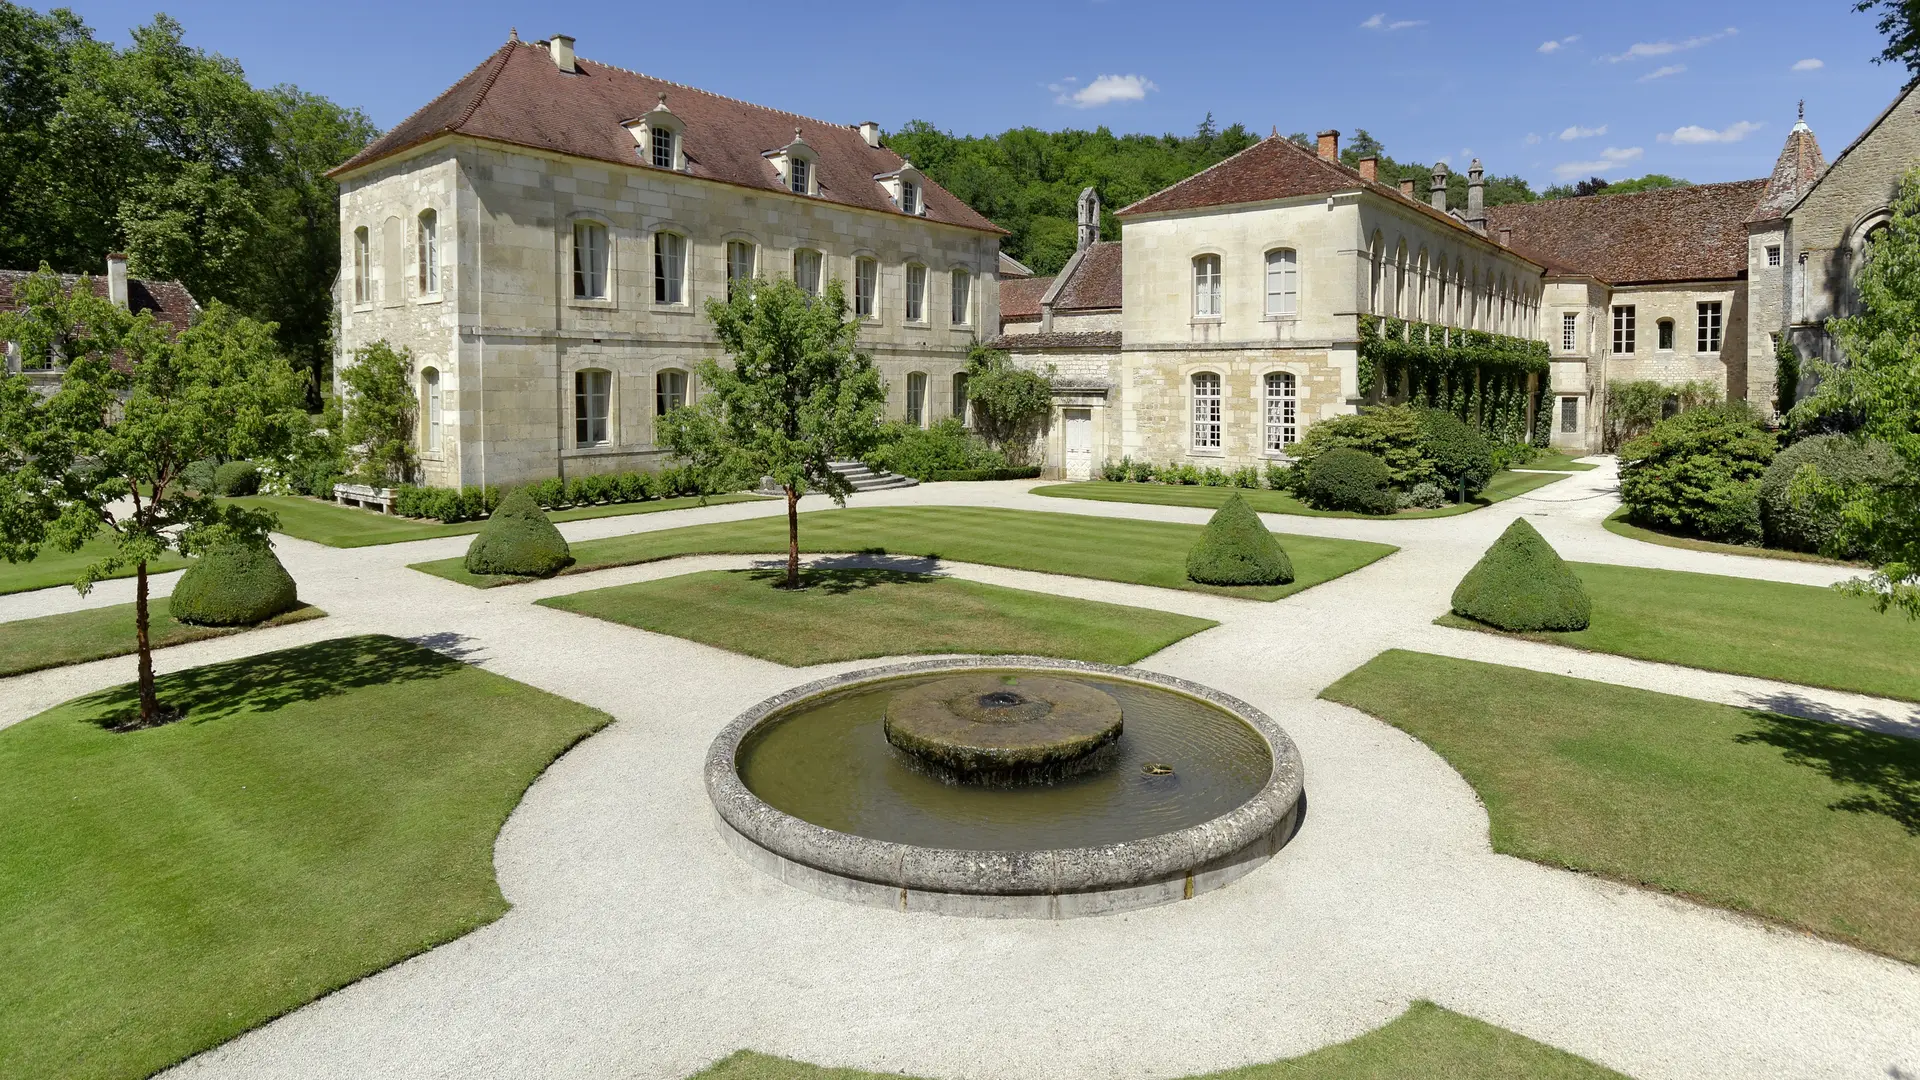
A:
(76, 637)
(53, 567)
(1504, 486)
(320, 813)
(1618, 524)
(1426, 1042)
(1111, 549)
(1813, 824)
(853, 614)
(1558, 463)
(348, 527)
(1793, 633)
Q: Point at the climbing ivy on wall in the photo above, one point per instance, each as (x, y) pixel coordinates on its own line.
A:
(1478, 376)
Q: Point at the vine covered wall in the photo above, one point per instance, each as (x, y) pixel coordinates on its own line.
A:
(1478, 376)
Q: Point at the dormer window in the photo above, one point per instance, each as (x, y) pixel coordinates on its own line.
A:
(795, 162)
(662, 148)
(909, 197)
(906, 187)
(800, 176)
(657, 138)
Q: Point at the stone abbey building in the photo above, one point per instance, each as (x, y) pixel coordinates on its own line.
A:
(544, 234)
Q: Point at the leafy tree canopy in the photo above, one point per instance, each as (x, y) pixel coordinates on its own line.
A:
(1900, 22)
(1596, 185)
(381, 413)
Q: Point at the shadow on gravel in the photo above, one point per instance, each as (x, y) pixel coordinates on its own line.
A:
(1885, 768)
(840, 581)
(1790, 704)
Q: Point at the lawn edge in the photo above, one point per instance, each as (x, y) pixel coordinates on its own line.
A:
(1060, 489)
(1617, 524)
(722, 499)
(303, 613)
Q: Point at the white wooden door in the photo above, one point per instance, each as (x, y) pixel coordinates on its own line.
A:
(1079, 457)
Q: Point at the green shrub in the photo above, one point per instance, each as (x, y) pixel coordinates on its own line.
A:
(1213, 477)
(548, 493)
(1513, 455)
(1344, 478)
(633, 487)
(1236, 549)
(317, 477)
(1457, 453)
(519, 540)
(1285, 476)
(1423, 496)
(1247, 477)
(1028, 472)
(593, 489)
(1699, 473)
(1801, 524)
(943, 446)
(198, 476)
(1633, 408)
(451, 505)
(1521, 584)
(233, 585)
(1391, 433)
(236, 478)
(1141, 472)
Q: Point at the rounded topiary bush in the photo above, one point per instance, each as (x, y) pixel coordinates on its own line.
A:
(236, 478)
(1236, 549)
(198, 476)
(1521, 584)
(1456, 450)
(1347, 479)
(1796, 523)
(519, 540)
(233, 585)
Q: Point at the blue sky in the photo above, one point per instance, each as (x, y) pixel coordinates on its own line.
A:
(1548, 90)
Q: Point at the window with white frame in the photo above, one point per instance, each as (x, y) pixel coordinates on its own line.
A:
(800, 175)
(1773, 254)
(1206, 286)
(1283, 282)
(589, 260)
(1707, 326)
(909, 197)
(427, 247)
(1282, 411)
(866, 287)
(806, 271)
(960, 397)
(739, 265)
(1623, 329)
(916, 293)
(669, 391)
(669, 268)
(917, 399)
(362, 267)
(662, 148)
(592, 399)
(962, 313)
(430, 380)
(1206, 411)
(1569, 415)
(1569, 331)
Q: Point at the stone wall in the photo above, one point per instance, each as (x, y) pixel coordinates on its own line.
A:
(1156, 392)
(1726, 370)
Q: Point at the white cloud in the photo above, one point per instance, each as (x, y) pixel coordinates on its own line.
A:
(1641, 49)
(1809, 64)
(1610, 159)
(1693, 134)
(1557, 44)
(1532, 139)
(1661, 73)
(1578, 132)
(1104, 90)
(1379, 22)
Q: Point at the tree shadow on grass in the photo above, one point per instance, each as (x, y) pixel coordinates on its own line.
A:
(839, 581)
(273, 681)
(1885, 767)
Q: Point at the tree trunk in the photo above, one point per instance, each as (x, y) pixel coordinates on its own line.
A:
(149, 701)
(793, 538)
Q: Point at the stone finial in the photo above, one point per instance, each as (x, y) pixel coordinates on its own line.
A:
(513, 34)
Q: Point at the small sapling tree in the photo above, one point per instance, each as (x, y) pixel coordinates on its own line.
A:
(1009, 404)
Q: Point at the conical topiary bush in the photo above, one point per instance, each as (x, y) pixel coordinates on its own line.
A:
(1237, 550)
(233, 585)
(1521, 584)
(519, 540)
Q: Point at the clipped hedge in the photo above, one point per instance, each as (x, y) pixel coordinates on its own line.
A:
(1029, 472)
(1800, 523)
(944, 446)
(472, 504)
(1698, 473)
(1348, 479)
(234, 585)
(518, 540)
(1127, 470)
(1521, 584)
(236, 478)
(1458, 453)
(1236, 549)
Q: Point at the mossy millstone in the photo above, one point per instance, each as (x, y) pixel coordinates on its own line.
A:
(1237, 550)
(1521, 584)
(234, 585)
(519, 540)
(1001, 729)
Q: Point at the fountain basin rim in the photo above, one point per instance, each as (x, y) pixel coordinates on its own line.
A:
(1005, 873)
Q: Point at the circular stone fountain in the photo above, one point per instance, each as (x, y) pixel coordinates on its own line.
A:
(1013, 786)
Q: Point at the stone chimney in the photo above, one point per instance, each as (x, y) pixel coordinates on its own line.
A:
(1089, 219)
(1370, 170)
(1329, 145)
(1477, 198)
(1406, 186)
(1506, 236)
(870, 131)
(1437, 192)
(117, 279)
(560, 47)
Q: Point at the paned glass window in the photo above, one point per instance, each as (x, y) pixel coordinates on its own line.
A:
(1283, 428)
(1569, 415)
(866, 287)
(1206, 411)
(669, 391)
(739, 264)
(431, 377)
(916, 293)
(669, 268)
(1569, 331)
(591, 396)
(1707, 336)
(662, 148)
(962, 298)
(429, 251)
(589, 260)
(960, 397)
(362, 267)
(1283, 282)
(1623, 328)
(917, 399)
(1206, 286)
(800, 173)
(909, 197)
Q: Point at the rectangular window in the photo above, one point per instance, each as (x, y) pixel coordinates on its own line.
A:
(590, 398)
(916, 294)
(1569, 331)
(1206, 411)
(739, 264)
(362, 267)
(1569, 416)
(806, 271)
(1283, 427)
(866, 287)
(917, 399)
(1206, 286)
(909, 197)
(1708, 322)
(429, 250)
(1773, 254)
(962, 298)
(662, 148)
(669, 391)
(960, 397)
(432, 379)
(1283, 282)
(1623, 329)
(669, 268)
(1664, 330)
(801, 171)
(589, 260)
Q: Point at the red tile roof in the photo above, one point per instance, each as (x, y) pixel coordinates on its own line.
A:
(1020, 298)
(520, 96)
(1095, 284)
(1695, 233)
(1794, 173)
(1086, 339)
(169, 301)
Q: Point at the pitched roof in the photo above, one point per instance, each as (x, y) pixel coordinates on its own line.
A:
(1020, 298)
(1095, 283)
(1695, 233)
(1892, 107)
(520, 96)
(1011, 267)
(1088, 339)
(169, 301)
(1794, 173)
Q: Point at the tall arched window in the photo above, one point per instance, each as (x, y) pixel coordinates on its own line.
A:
(362, 267)
(916, 293)
(1283, 282)
(589, 260)
(917, 399)
(739, 265)
(960, 411)
(1282, 412)
(866, 287)
(592, 406)
(1206, 286)
(1420, 294)
(962, 313)
(669, 268)
(806, 270)
(1440, 300)
(430, 383)
(1373, 258)
(1459, 287)
(428, 248)
(1400, 281)
(1206, 411)
(669, 391)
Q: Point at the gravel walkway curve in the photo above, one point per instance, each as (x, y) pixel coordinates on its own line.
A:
(639, 946)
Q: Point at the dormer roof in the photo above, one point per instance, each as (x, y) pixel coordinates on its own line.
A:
(1794, 173)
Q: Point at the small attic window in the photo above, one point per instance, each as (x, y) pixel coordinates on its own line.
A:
(797, 165)
(657, 138)
(800, 176)
(909, 197)
(906, 188)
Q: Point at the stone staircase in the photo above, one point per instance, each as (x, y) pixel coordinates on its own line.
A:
(857, 474)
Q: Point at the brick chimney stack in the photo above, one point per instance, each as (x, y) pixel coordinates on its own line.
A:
(1477, 198)
(1329, 145)
(117, 279)
(1406, 186)
(1370, 170)
(1437, 193)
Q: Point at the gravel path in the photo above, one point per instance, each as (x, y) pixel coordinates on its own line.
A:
(639, 946)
